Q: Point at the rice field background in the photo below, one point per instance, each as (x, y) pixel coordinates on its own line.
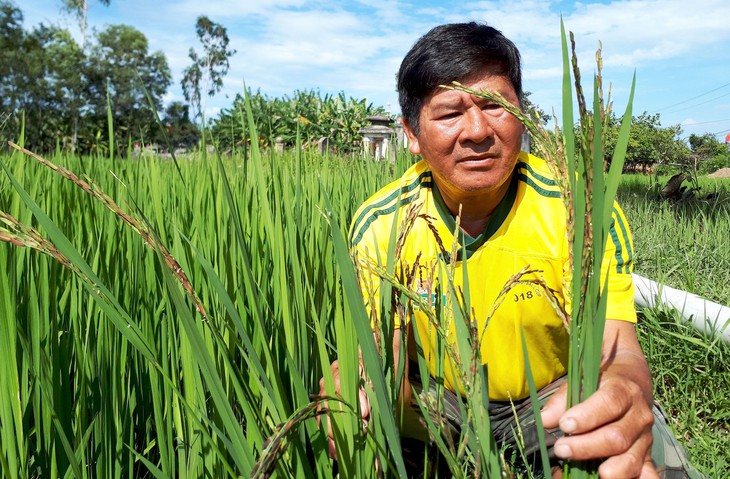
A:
(113, 371)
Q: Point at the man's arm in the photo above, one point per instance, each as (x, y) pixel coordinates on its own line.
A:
(404, 397)
(615, 422)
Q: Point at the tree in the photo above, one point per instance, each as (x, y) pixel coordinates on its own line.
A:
(53, 85)
(39, 73)
(49, 80)
(649, 142)
(306, 114)
(180, 130)
(65, 62)
(80, 8)
(204, 77)
(706, 146)
(12, 37)
(120, 64)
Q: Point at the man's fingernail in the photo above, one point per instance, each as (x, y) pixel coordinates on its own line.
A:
(563, 451)
(568, 425)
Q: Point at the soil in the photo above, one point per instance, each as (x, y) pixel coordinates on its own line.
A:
(721, 173)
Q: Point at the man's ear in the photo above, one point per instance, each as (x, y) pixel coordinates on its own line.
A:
(413, 145)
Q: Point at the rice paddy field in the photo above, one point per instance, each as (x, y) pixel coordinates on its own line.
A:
(177, 324)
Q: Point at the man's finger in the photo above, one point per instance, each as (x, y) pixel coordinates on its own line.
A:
(609, 404)
(332, 448)
(554, 408)
(649, 471)
(611, 440)
(364, 404)
(634, 463)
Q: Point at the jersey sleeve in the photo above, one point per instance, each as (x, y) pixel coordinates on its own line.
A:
(618, 263)
(366, 255)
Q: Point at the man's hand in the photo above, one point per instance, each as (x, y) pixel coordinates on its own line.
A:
(364, 405)
(615, 422)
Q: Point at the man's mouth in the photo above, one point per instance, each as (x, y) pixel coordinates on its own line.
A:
(479, 158)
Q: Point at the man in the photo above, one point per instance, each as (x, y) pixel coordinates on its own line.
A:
(510, 217)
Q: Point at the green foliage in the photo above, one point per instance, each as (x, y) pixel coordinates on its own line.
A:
(205, 76)
(276, 311)
(706, 145)
(61, 90)
(649, 143)
(709, 153)
(712, 164)
(120, 63)
(43, 75)
(135, 381)
(589, 202)
(685, 245)
(181, 131)
(11, 43)
(306, 115)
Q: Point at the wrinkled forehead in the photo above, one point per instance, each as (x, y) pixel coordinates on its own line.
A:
(488, 72)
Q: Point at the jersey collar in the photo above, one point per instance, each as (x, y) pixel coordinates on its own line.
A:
(467, 242)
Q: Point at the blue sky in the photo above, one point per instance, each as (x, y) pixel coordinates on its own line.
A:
(679, 49)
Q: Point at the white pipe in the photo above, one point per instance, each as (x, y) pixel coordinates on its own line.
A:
(707, 317)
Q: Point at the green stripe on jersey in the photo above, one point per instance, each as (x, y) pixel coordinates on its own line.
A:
(625, 266)
(622, 266)
(542, 179)
(540, 190)
(541, 184)
(371, 214)
(423, 177)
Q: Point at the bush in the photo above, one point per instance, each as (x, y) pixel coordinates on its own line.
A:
(713, 164)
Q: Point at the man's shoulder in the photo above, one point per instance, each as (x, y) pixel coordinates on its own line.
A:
(385, 202)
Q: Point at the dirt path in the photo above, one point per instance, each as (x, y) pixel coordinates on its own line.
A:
(721, 173)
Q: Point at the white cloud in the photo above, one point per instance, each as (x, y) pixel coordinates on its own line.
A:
(170, 97)
(356, 45)
(636, 32)
(231, 8)
(212, 111)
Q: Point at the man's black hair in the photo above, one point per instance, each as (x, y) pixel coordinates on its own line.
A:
(449, 53)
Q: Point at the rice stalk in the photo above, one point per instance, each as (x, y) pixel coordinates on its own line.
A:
(137, 224)
(588, 199)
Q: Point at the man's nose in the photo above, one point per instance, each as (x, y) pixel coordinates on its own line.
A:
(477, 127)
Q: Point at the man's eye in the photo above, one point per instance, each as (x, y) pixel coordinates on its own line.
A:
(449, 115)
(491, 106)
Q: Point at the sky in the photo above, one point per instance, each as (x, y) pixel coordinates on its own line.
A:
(679, 49)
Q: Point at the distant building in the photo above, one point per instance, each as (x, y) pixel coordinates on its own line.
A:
(376, 137)
(727, 141)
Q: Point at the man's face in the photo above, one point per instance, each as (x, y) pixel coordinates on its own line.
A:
(470, 143)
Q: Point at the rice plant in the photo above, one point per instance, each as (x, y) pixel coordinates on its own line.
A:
(578, 166)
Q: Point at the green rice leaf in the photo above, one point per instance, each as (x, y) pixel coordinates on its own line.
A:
(371, 358)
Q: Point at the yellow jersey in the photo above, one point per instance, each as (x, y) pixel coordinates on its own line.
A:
(527, 230)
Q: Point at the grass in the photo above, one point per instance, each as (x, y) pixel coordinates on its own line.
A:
(576, 161)
(685, 245)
